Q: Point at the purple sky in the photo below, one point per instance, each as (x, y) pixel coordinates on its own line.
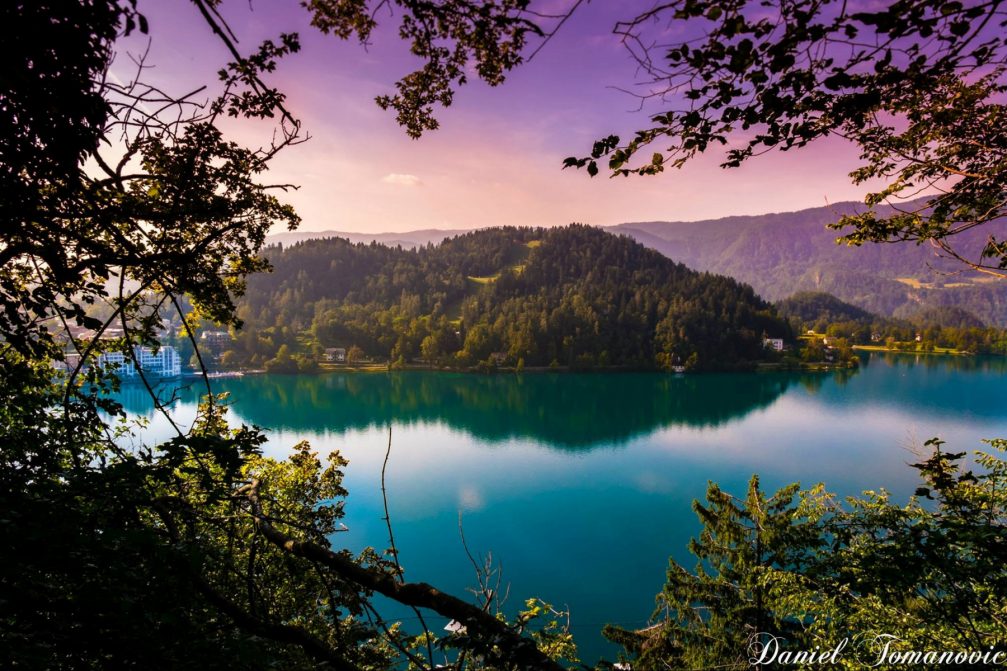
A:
(496, 160)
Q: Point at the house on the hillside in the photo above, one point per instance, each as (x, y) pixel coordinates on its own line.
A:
(775, 344)
(335, 354)
(215, 339)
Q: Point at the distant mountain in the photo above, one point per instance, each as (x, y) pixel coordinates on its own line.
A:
(570, 296)
(408, 240)
(783, 253)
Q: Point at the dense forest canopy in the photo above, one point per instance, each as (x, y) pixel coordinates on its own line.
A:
(783, 252)
(811, 307)
(572, 296)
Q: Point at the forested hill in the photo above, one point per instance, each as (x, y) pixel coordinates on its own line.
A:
(573, 296)
(818, 308)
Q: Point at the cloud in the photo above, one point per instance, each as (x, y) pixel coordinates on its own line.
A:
(469, 498)
(402, 179)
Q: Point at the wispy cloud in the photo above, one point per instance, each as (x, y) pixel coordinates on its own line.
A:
(402, 179)
(469, 498)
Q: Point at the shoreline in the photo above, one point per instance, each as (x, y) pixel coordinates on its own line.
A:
(943, 351)
(757, 367)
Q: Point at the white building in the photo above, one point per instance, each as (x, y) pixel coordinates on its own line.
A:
(162, 363)
(335, 354)
(773, 344)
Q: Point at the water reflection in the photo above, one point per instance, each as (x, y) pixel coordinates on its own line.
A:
(135, 398)
(969, 364)
(567, 411)
(587, 410)
(949, 387)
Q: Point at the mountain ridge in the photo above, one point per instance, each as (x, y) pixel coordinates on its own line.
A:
(781, 253)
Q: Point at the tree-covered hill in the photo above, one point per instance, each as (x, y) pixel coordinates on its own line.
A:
(812, 307)
(817, 307)
(408, 239)
(574, 296)
(947, 317)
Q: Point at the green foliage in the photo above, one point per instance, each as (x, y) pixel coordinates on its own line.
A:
(552, 633)
(821, 576)
(708, 618)
(817, 310)
(946, 327)
(947, 316)
(931, 573)
(578, 296)
(813, 350)
(284, 362)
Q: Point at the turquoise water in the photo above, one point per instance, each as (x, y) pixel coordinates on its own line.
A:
(580, 485)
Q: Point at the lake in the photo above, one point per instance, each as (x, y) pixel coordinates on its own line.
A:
(580, 485)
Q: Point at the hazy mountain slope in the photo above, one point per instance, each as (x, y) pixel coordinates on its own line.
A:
(407, 240)
(782, 253)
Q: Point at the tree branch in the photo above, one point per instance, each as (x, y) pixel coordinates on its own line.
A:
(521, 650)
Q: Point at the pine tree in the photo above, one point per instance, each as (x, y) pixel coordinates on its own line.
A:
(749, 552)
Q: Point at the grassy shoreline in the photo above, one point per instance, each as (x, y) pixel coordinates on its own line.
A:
(895, 350)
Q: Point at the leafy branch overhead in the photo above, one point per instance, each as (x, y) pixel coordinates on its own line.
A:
(916, 84)
(446, 36)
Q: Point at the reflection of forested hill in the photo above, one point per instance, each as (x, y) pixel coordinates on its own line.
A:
(569, 411)
(992, 366)
(583, 411)
(932, 385)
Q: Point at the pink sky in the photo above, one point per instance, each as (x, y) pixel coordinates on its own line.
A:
(496, 160)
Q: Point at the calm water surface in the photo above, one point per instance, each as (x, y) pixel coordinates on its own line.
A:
(581, 484)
